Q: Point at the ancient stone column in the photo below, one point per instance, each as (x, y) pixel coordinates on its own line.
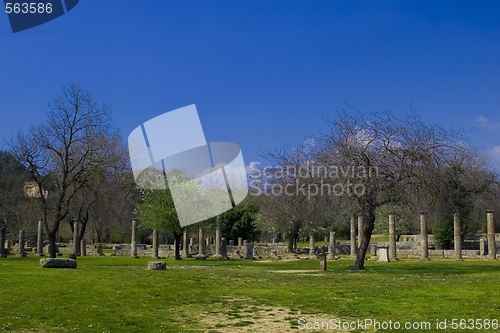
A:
(240, 241)
(223, 249)
(201, 246)
(155, 244)
(133, 243)
(21, 252)
(191, 244)
(482, 247)
(423, 234)
(248, 248)
(76, 232)
(2, 243)
(458, 239)
(185, 246)
(322, 262)
(491, 236)
(201, 251)
(354, 248)
(217, 239)
(392, 237)
(39, 245)
(331, 246)
(312, 245)
(83, 248)
(360, 230)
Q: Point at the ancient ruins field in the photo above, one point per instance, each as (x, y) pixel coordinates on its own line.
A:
(118, 294)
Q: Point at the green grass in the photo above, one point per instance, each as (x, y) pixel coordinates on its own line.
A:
(117, 294)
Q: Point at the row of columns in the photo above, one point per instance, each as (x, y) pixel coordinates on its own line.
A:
(79, 248)
(424, 236)
(220, 243)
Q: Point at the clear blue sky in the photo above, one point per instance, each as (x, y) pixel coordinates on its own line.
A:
(262, 73)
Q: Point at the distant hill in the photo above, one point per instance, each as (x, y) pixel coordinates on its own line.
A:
(9, 165)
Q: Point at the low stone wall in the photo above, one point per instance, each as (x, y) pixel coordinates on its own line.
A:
(264, 249)
(410, 249)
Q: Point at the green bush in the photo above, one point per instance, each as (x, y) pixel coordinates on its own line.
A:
(443, 232)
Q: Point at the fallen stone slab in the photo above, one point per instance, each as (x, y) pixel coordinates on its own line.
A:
(57, 263)
(157, 265)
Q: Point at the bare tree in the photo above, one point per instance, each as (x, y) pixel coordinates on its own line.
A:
(106, 200)
(64, 153)
(287, 201)
(391, 159)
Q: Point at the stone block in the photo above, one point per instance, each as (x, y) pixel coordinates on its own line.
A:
(157, 265)
(57, 263)
(383, 253)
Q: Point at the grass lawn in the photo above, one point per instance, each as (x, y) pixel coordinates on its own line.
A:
(118, 294)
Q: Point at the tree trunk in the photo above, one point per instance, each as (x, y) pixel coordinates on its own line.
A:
(292, 236)
(368, 225)
(83, 228)
(291, 241)
(178, 240)
(52, 245)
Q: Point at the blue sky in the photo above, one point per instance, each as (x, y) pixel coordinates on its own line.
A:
(262, 73)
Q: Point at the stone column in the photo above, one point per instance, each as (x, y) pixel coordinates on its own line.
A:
(248, 248)
(331, 246)
(423, 234)
(482, 247)
(133, 243)
(491, 236)
(458, 239)
(21, 252)
(39, 245)
(322, 262)
(392, 237)
(354, 248)
(223, 249)
(201, 251)
(191, 244)
(217, 239)
(240, 241)
(2, 243)
(185, 246)
(201, 246)
(312, 245)
(155, 244)
(76, 243)
(360, 229)
(83, 248)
